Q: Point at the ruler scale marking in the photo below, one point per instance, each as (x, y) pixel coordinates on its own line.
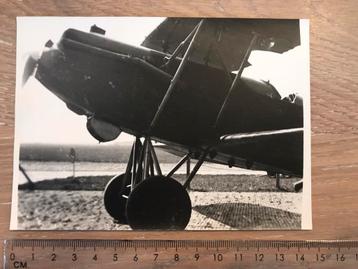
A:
(221, 252)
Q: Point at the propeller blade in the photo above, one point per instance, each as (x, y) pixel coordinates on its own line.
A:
(30, 66)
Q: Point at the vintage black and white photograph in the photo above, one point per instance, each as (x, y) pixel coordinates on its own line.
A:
(151, 123)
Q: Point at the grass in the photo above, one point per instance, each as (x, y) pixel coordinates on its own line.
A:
(204, 183)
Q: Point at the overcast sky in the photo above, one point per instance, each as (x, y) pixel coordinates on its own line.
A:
(43, 118)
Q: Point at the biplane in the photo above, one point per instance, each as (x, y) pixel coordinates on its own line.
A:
(183, 87)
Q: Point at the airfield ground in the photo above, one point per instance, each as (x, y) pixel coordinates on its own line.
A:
(219, 203)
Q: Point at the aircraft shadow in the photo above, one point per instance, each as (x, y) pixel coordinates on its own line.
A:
(250, 216)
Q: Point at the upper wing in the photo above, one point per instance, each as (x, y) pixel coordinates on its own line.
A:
(278, 151)
(224, 41)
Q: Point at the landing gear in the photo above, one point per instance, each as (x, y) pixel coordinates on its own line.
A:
(159, 203)
(144, 198)
(156, 201)
(115, 197)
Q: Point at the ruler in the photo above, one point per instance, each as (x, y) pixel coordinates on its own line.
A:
(179, 254)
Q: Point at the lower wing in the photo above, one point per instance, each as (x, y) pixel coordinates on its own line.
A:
(278, 151)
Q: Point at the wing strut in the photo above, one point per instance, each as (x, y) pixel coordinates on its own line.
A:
(175, 79)
(237, 77)
(181, 46)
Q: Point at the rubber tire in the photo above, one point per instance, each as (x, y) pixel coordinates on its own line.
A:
(114, 202)
(158, 203)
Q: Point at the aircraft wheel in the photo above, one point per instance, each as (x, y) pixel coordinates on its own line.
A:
(159, 202)
(114, 202)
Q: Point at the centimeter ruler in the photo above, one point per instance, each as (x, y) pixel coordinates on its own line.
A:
(68, 253)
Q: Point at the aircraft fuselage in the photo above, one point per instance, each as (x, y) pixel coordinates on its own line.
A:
(124, 85)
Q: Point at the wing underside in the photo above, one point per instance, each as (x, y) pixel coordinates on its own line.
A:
(224, 41)
(278, 151)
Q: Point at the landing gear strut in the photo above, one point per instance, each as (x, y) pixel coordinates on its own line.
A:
(146, 199)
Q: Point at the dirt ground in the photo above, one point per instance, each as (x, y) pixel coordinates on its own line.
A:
(235, 204)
